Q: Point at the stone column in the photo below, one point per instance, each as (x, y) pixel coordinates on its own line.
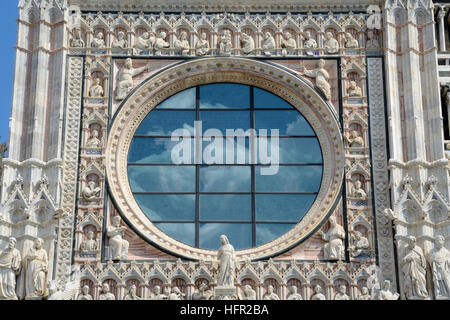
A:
(442, 15)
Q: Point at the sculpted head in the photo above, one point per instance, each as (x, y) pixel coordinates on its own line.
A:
(328, 35)
(411, 240)
(332, 221)
(270, 289)
(85, 290)
(288, 35)
(128, 63)
(247, 289)
(157, 290)
(116, 221)
(357, 235)
(176, 290)
(167, 290)
(133, 289)
(439, 242)
(183, 35)
(100, 35)
(293, 289)
(321, 63)
(365, 291)
(38, 243)
(348, 36)
(105, 288)
(162, 35)
(121, 35)
(386, 285)
(203, 36)
(224, 240)
(12, 243)
(90, 235)
(357, 185)
(342, 289)
(307, 35)
(145, 35)
(91, 184)
(317, 289)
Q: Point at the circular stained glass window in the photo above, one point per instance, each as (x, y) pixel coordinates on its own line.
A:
(225, 159)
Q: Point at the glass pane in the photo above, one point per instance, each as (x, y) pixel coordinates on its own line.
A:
(283, 207)
(226, 207)
(183, 100)
(269, 232)
(224, 95)
(295, 150)
(290, 123)
(226, 151)
(223, 120)
(167, 207)
(290, 179)
(225, 179)
(184, 232)
(162, 178)
(265, 99)
(159, 150)
(240, 235)
(164, 122)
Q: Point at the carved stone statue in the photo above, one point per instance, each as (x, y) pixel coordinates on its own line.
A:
(354, 140)
(202, 45)
(106, 294)
(176, 294)
(76, 41)
(120, 42)
(270, 294)
(10, 264)
(35, 272)
(330, 44)
(360, 245)
(225, 44)
(156, 294)
(439, 260)
(350, 42)
(365, 295)
(248, 293)
(202, 293)
(309, 43)
(288, 43)
(318, 295)
(91, 191)
(321, 76)
(182, 44)
(98, 41)
(247, 43)
(132, 294)
(117, 245)
(268, 44)
(385, 292)
(144, 43)
(358, 191)
(160, 43)
(85, 293)
(293, 294)
(372, 42)
(226, 257)
(125, 78)
(89, 244)
(334, 249)
(414, 271)
(342, 295)
(96, 90)
(69, 289)
(354, 90)
(94, 142)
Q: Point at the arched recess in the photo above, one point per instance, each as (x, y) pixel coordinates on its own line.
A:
(273, 78)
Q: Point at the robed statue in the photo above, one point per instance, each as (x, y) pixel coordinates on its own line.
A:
(227, 260)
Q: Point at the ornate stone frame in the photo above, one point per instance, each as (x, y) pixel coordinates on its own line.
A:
(273, 78)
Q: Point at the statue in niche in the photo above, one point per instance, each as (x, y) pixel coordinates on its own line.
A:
(91, 191)
(144, 43)
(360, 245)
(354, 90)
(202, 45)
(321, 76)
(385, 292)
(358, 191)
(439, 260)
(248, 293)
(293, 294)
(85, 293)
(342, 295)
(268, 44)
(125, 78)
(372, 41)
(132, 293)
(182, 44)
(271, 295)
(288, 43)
(309, 44)
(414, 271)
(202, 293)
(354, 140)
(94, 142)
(36, 271)
(106, 294)
(330, 44)
(227, 259)
(156, 294)
(225, 43)
(318, 295)
(118, 245)
(10, 264)
(334, 249)
(120, 42)
(89, 244)
(76, 41)
(365, 295)
(176, 294)
(350, 41)
(98, 41)
(96, 90)
(160, 43)
(248, 44)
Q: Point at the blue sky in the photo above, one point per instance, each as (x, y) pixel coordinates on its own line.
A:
(8, 25)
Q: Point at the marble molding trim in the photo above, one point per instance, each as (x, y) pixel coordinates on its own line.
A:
(385, 239)
(292, 88)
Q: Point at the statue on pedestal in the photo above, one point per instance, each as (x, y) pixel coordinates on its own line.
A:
(118, 245)
(36, 271)
(414, 271)
(10, 264)
(439, 260)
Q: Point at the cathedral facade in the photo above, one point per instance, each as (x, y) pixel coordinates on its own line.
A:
(247, 150)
